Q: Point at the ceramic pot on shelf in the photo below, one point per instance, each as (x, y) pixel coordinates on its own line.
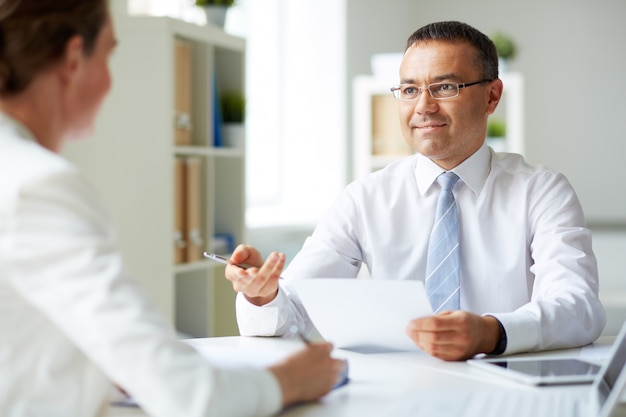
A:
(215, 14)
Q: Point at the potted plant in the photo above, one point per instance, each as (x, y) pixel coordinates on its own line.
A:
(506, 48)
(233, 106)
(215, 10)
(496, 134)
(496, 128)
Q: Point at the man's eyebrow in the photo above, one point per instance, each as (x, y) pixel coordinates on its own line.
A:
(448, 76)
(443, 77)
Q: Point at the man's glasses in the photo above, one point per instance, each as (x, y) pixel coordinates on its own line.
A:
(439, 91)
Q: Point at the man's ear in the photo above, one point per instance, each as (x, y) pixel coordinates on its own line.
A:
(494, 95)
(71, 62)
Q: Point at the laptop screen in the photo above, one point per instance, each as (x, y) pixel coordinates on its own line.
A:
(606, 380)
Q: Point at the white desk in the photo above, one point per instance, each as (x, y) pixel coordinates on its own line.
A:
(380, 380)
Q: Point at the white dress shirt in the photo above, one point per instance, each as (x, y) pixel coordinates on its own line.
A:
(526, 255)
(72, 321)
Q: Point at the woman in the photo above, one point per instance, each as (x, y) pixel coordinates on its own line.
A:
(72, 322)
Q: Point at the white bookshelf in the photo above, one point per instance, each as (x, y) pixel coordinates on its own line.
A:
(366, 89)
(130, 160)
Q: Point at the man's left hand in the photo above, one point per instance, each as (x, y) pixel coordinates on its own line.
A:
(455, 335)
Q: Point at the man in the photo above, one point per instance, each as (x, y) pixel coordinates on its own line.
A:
(525, 273)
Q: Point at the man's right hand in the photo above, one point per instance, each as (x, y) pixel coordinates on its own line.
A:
(260, 282)
(308, 374)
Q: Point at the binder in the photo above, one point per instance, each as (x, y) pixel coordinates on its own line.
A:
(182, 92)
(218, 134)
(193, 191)
(387, 136)
(180, 242)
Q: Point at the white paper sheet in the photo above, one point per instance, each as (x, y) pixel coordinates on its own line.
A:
(363, 314)
(252, 354)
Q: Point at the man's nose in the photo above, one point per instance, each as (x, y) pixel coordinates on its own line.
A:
(425, 103)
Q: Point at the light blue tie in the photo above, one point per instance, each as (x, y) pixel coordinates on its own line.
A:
(442, 266)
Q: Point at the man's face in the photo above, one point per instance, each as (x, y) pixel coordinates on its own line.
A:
(446, 131)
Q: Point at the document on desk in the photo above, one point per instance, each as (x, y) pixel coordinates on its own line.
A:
(251, 354)
(364, 315)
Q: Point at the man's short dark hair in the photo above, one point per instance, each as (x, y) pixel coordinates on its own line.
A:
(453, 31)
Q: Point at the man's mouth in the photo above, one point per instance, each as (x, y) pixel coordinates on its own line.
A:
(428, 126)
(425, 124)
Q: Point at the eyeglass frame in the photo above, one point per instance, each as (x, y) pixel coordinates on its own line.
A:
(459, 86)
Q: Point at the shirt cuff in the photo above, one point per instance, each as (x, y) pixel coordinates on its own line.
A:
(502, 340)
(256, 320)
(520, 329)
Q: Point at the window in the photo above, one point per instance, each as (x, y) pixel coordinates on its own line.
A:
(296, 115)
(296, 102)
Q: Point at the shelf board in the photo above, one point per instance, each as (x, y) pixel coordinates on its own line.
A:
(209, 151)
(192, 266)
(205, 34)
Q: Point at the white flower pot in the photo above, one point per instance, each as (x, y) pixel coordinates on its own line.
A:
(234, 135)
(215, 15)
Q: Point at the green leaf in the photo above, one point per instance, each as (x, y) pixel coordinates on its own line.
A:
(504, 45)
(226, 3)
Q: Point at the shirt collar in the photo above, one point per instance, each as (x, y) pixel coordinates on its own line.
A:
(16, 128)
(473, 171)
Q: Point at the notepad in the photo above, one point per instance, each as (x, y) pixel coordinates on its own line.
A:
(233, 357)
(364, 315)
(228, 357)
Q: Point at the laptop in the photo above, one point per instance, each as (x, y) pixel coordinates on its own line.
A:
(601, 400)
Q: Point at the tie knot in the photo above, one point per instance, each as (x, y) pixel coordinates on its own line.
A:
(447, 180)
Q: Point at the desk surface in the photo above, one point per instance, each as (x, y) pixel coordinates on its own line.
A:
(377, 380)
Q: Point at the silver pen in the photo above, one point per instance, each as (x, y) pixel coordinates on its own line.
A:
(223, 260)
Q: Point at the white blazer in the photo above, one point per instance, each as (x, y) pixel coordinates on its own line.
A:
(72, 322)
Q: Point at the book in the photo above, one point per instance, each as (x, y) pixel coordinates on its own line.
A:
(218, 134)
(182, 92)
(193, 210)
(180, 241)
